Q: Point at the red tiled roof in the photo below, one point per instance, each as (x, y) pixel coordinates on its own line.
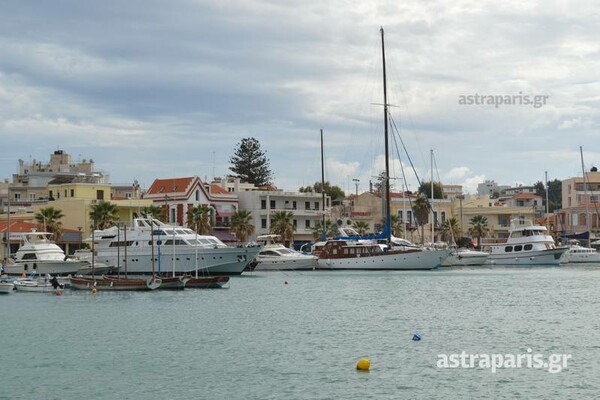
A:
(170, 185)
(216, 189)
(25, 227)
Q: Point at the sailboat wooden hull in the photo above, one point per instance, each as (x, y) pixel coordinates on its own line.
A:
(115, 283)
(173, 282)
(214, 282)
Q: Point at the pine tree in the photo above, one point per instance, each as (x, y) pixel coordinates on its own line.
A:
(250, 163)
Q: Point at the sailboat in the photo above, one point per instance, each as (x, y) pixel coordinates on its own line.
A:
(379, 253)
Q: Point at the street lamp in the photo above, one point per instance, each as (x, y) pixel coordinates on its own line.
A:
(356, 181)
(460, 198)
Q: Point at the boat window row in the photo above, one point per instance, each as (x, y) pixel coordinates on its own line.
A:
(526, 232)
(510, 249)
(121, 243)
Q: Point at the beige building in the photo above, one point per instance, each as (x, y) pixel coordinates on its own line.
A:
(580, 205)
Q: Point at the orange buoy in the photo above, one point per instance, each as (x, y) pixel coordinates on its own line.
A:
(58, 292)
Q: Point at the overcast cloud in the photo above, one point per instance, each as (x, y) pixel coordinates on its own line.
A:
(153, 89)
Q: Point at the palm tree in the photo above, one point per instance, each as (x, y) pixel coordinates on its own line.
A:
(241, 224)
(331, 229)
(397, 225)
(199, 218)
(479, 228)
(421, 211)
(281, 224)
(361, 227)
(155, 211)
(104, 215)
(49, 219)
(450, 230)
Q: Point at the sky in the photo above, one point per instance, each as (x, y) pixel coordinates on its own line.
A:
(153, 89)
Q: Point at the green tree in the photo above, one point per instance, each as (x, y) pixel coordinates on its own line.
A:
(554, 195)
(241, 224)
(155, 212)
(438, 192)
(250, 163)
(199, 218)
(334, 192)
(104, 214)
(479, 227)
(450, 230)
(49, 219)
(421, 212)
(282, 225)
(361, 227)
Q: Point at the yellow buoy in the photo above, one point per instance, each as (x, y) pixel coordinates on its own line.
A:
(363, 364)
(93, 290)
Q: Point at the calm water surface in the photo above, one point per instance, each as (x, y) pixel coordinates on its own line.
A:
(264, 339)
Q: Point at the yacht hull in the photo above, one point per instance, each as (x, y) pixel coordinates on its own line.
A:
(43, 267)
(525, 258)
(416, 260)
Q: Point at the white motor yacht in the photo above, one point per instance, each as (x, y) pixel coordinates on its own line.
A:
(527, 244)
(176, 250)
(274, 256)
(580, 254)
(39, 255)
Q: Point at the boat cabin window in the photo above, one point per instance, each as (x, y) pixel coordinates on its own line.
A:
(159, 232)
(518, 247)
(528, 246)
(180, 232)
(122, 243)
(286, 251)
(178, 242)
(508, 249)
(268, 253)
(29, 256)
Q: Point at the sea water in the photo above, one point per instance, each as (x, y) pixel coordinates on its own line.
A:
(293, 335)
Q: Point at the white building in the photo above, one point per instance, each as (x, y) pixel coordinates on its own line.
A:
(307, 210)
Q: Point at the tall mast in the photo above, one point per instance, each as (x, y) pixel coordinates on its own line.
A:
(324, 232)
(432, 197)
(387, 211)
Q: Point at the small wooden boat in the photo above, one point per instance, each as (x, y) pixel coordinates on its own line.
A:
(37, 286)
(211, 282)
(115, 283)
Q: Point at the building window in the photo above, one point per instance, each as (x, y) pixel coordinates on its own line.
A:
(50, 196)
(72, 192)
(316, 205)
(99, 194)
(443, 216)
(197, 195)
(400, 215)
(173, 215)
(31, 196)
(263, 223)
(307, 205)
(263, 204)
(409, 216)
(293, 205)
(272, 204)
(295, 223)
(307, 224)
